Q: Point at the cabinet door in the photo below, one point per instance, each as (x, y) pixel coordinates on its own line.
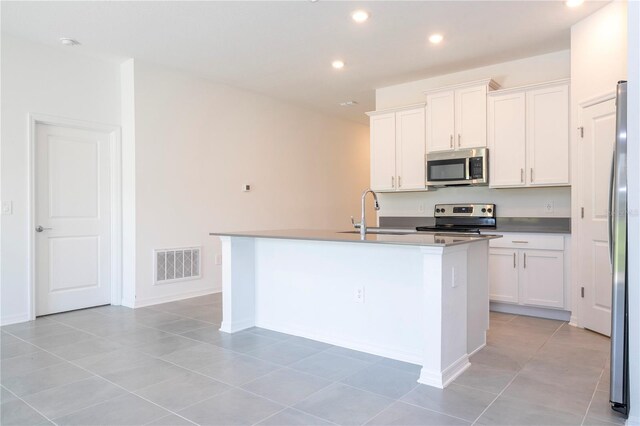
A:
(507, 140)
(548, 136)
(440, 121)
(542, 278)
(471, 117)
(410, 149)
(503, 275)
(383, 152)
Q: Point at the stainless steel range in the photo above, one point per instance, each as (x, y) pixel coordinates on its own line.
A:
(462, 218)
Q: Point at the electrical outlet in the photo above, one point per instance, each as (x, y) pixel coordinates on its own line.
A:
(548, 207)
(218, 259)
(358, 295)
(246, 187)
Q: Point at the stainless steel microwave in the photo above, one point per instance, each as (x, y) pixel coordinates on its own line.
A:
(462, 167)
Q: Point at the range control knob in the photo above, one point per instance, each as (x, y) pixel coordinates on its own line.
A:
(437, 210)
(489, 210)
(442, 210)
(484, 210)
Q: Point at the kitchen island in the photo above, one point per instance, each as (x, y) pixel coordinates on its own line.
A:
(419, 298)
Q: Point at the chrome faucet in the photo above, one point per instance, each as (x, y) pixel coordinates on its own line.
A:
(363, 223)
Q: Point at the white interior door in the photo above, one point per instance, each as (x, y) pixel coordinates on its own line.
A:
(599, 123)
(72, 213)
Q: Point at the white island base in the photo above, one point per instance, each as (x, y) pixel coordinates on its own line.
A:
(423, 304)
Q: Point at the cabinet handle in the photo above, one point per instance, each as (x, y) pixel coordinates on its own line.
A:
(525, 260)
(459, 140)
(393, 182)
(532, 175)
(521, 175)
(399, 181)
(520, 242)
(514, 260)
(450, 141)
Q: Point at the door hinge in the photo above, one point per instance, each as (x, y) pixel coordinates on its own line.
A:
(582, 292)
(581, 212)
(581, 129)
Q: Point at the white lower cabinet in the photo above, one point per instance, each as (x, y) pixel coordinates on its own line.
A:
(533, 275)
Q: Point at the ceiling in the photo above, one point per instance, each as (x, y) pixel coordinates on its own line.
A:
(284, 49)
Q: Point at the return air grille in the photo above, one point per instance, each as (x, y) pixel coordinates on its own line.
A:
(177, 264)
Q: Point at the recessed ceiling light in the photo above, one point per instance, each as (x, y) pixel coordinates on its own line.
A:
(360, 16)
(574, 3)
(338, 64)
(436, 38)
(348, 103)
(69, 41)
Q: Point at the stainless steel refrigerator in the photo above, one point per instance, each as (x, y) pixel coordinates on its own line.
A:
(619, 391)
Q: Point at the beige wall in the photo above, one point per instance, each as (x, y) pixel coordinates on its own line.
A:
(510, 202)
(197, 143)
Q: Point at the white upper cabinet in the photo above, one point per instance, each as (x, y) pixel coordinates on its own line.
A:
(548, 135)
(528, 131)
(457, 116)
(507, 135)
(398, 149)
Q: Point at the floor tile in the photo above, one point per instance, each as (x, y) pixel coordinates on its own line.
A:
(384, 381)
(311, 343)
(209, 334)
(25, 363)
(17, 348)
(44, 378)
(122, 411)
(457, 401)
(286, 386)
(57, 340)
(18, 413)
(508, 412)
(46, 330)
(269, 333)
(179, 393)
(349, 353)
(166, 346)
(238, 370)
(331, 367)
(401, 414)
(145, 374)
(243, 341)
(157, 319)
(114, 361)
(600, 409)
(234, 407)
(5, 395)
(500, 317)
(399, 365)
(85, 348)
(283, 352)
(502, 358)
(171, 420)
(485, 378)
(138, 336)
(344, 405)
(199, 356)
(182, 325)
(74, 396)
(20, 329)
(292, 417)
(534, 322)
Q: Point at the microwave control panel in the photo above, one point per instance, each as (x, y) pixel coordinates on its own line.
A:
(475, 168)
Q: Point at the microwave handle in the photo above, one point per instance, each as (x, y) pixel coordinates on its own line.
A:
(467, 167)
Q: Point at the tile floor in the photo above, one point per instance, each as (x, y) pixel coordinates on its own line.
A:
(169, 365)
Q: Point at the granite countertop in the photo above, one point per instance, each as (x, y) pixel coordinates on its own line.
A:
(542, 225)
(410, 239)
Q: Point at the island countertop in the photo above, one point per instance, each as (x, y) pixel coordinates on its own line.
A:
(429, 239)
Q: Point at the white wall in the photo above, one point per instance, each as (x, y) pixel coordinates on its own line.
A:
(45, 80)
(197, 143)
(510, 202)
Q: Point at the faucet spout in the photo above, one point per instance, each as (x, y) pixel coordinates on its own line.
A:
(376, 205)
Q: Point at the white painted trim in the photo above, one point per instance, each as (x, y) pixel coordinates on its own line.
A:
(541, 85)
(532, 311)
(476, 350)
(141, 303)
(387, 352)
(596, 100)
(116, 200)
(236, 326)
(448, 375)
(396, 109)
(492, 85)
(14, 319)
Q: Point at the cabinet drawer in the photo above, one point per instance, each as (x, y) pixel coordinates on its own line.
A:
(529, 241)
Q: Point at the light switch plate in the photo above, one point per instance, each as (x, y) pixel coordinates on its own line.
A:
(7, 207)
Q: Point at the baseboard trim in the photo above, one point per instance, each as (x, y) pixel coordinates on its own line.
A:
(225, 327)
(478, 349)
(443, 379)
(531, 311)
(141, 303)
(413, 358)
(15, 319)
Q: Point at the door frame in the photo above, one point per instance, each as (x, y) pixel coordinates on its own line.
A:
(577, 302)
(115, 164)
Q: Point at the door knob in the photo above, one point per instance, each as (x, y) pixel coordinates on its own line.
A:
(40, 228)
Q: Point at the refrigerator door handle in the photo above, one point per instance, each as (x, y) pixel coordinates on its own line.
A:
(611, 211)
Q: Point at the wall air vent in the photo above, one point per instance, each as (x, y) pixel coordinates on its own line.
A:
(181, 264)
